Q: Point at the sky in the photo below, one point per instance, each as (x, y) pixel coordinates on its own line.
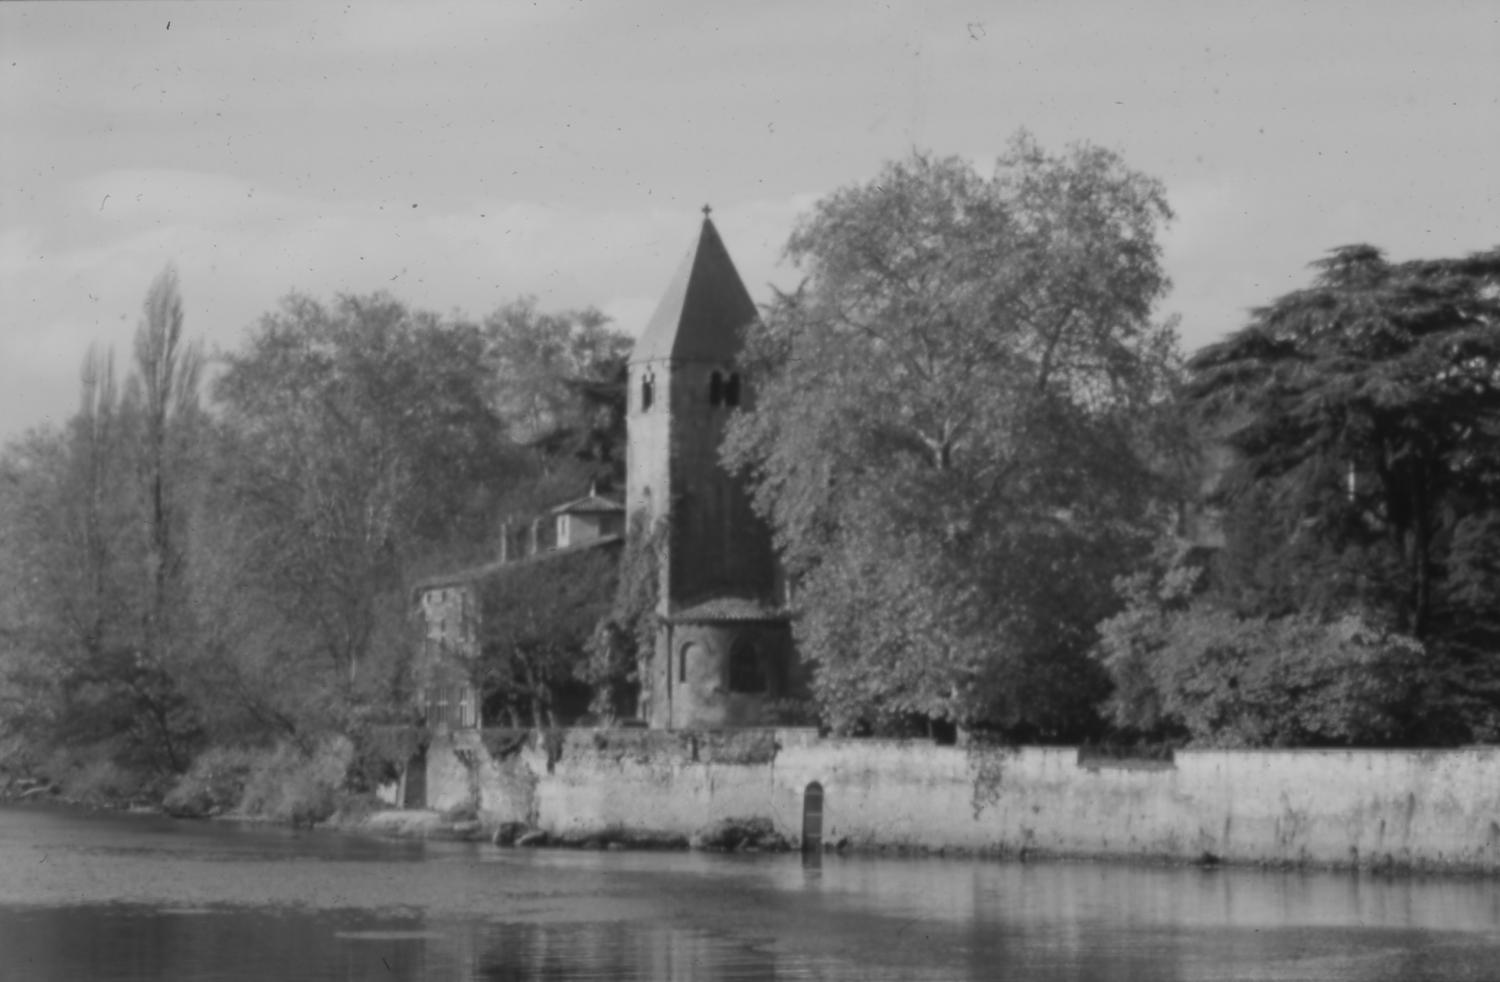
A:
(461, 156)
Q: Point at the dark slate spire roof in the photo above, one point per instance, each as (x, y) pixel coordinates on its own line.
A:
(704, 309)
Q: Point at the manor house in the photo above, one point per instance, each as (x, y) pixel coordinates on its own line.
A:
(723, 654)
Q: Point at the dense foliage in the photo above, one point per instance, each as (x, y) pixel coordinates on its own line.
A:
(1354, 600)
(179, 576)
(93, 518)
(954, 429)
(537, 622)
(1186, 666)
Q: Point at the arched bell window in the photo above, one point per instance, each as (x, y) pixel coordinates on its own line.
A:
(732, 390)
(716, 389)
(648, 391)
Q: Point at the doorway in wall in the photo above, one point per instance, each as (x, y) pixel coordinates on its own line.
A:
(414, 782)
(812, 819)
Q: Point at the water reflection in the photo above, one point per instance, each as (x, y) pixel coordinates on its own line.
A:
(109, 897)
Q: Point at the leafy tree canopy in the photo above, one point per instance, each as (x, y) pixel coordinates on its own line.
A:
(951, 430)
(559, 383)
(1354, 599)
(363, 435)
(537, 622)
(1186, 665)
(1364, 413)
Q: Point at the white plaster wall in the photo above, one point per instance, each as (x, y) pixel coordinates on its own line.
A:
(1336, 807)
(1437, 809)
(448, 784)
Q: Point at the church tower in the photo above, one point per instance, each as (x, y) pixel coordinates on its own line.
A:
(723, 648)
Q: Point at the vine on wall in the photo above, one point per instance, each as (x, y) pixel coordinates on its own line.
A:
(625, 640)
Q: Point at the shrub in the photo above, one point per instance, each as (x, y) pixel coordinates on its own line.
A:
(290, 785)
(94, 775)
(1257, 681)
(381, 752)
(214, 784)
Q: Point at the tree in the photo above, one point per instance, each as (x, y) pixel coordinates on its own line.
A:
(559, 383)
(952, 428)
(78, 584)
(1364, 417)
(167, 374)
(363, 441)
(164, 387)
(1187, 666)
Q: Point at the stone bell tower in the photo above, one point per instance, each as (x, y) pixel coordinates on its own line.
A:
(723, 650)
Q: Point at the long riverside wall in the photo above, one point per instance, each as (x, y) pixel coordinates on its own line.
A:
(1398, 809)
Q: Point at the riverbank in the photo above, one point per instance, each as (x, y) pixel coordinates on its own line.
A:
(730, 835)
(1387, 811)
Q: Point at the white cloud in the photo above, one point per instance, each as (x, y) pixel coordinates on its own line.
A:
(239, 247)
(377, 28)
(173, 196)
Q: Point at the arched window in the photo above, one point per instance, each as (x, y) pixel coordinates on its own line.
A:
(732, 390)
(747, 673)
(686, 652)
(812, 819)
(648, 392)
(715, 389)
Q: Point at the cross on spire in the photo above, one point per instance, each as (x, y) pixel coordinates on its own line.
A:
(707, 210)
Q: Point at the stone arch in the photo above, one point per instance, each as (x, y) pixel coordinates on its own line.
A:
(812, 818)
(690, 651)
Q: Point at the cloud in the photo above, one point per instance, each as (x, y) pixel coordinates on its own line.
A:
(383, 28)
(166, 196)
(240, 246)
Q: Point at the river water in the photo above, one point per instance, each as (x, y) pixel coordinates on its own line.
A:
(97, 896)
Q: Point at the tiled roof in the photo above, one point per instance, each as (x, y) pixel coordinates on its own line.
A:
(705, 308)
(589, 504)
(729, 609)
(475, 573)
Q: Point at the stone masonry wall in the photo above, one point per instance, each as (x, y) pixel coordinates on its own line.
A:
(1437, 809)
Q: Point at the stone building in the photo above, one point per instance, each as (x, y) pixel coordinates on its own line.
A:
(452, 608)
(724, 653)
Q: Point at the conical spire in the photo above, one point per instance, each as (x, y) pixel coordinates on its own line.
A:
(705, 308)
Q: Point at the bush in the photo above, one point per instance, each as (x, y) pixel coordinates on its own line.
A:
(289, 785)
(381, 752)
(754, 834)
(94, 776)
(214, 784)
(1256, 681)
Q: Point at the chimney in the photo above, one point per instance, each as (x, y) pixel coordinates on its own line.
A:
(504, 542)
(536, 536)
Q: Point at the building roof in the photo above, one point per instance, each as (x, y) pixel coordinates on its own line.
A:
(589, 504)
(476, 573)
(705, 308)
(728, 610)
